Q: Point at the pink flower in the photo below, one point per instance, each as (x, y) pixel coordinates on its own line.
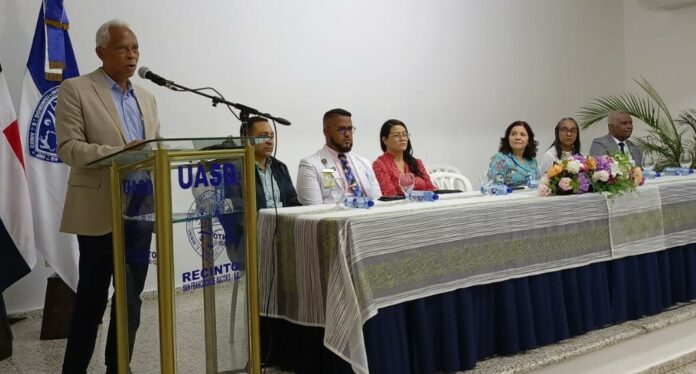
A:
(544, 190)
(564, 184)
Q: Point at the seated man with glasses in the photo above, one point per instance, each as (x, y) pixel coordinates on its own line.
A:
(334, 166)
(565, 144)
(274, 187)
(398, 159)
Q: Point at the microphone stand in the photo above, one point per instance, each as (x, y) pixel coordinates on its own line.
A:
(244, 111)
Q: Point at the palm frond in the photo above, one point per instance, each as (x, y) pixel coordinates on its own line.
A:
(687, 119)
(667, 137)
(666, 122)
(600, 108)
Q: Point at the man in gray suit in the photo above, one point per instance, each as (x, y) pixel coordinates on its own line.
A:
(620, 129)
(99, 114)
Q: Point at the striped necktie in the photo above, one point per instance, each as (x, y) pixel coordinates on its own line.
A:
(350, 178)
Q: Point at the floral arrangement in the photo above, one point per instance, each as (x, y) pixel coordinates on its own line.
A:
(579, 174)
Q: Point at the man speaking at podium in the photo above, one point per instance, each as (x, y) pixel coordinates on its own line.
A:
(99, 114)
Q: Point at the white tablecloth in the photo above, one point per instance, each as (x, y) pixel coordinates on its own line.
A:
(336, 268)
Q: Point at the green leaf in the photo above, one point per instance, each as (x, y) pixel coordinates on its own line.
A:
(668, 137)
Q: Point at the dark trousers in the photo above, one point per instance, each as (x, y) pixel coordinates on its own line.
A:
(5, 332)
(96, 269)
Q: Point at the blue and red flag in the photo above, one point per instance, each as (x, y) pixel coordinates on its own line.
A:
(51, 60)
(17, 250)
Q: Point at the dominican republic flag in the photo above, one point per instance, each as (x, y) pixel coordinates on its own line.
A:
(51, 60)
(17, 251)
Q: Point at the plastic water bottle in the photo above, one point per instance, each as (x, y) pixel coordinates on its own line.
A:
(651, 174)
(495, 189)
(496, 186)
(671, 170)
(424, 196)
(498, 189)
(359, 202)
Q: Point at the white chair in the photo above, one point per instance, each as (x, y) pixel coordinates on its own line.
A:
(438, 168)
(444, 180)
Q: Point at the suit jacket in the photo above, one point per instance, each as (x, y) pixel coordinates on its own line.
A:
(309, 177)
(88, 128)
(288, 195)
(605, 145)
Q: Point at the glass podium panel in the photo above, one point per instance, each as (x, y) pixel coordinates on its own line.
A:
(210, 265)
(139, 260)
(195, 198)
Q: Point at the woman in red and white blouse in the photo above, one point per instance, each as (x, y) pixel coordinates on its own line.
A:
(398, 159)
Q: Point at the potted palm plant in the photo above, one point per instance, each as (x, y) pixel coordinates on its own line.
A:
(667, 138)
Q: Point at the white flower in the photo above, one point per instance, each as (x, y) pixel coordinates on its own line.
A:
(616, 169)
(601, 175)
(544, 180)
(573, 166)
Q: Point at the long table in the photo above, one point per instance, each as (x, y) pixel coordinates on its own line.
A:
(336, 269)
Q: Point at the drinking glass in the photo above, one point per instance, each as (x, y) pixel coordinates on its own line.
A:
(407, 181)
(648, 162)
(337, 191)
(533, 182)
(485, 181)
(685, 160)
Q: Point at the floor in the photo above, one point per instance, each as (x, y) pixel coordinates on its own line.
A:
(663, 343)
(34, 356)
(659, 344)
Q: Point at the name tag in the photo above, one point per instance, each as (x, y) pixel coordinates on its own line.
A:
(327, 178)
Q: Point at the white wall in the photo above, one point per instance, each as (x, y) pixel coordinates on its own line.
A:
(457, 72)
(659, 46)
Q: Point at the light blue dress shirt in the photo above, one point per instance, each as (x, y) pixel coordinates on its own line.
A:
(270, 186)
(128, 110)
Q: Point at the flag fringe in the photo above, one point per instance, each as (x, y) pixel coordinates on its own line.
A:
(56, 65)
(54, 77)
(57, 24)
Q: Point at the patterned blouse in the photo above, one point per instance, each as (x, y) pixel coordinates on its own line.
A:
(515, 172)
(387, 174)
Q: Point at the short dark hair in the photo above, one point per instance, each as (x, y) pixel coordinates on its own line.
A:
(337, 112)
(529, 151)
(244, 130)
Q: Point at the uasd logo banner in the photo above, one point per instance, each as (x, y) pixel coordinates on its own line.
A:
(209, 220)
(42, 128)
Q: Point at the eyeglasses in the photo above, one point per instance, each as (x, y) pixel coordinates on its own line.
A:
(344, 130)
(400, 135)
(568, 131)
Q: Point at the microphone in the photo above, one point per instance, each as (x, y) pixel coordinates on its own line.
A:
(282, 121)
(145, 73)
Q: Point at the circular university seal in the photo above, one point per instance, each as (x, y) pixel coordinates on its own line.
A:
(208, 206)
(42, 141)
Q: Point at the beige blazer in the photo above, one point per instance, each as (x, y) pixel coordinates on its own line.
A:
(88, 128)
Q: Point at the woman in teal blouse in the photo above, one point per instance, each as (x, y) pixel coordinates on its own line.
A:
(515, 161)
